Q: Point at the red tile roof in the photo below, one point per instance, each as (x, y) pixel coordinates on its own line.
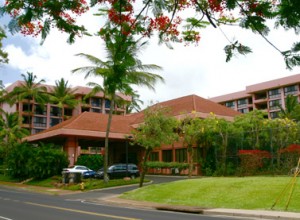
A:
(90, 124)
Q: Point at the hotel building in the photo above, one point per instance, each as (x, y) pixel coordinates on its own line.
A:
(266, 96)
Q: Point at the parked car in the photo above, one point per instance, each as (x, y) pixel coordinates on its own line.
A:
(77, 169)
(120, 171)
(89, 174)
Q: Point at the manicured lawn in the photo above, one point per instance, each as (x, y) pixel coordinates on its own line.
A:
(89, 184)
(222, 192)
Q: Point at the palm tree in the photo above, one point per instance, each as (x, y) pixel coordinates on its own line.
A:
(2, 92)
(121, 70)
(62, 95)
(291, 110)
(10, 129)
(32, 91)
(134, 105)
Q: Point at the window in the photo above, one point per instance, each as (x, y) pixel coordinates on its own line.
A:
(153, 156)
(68, 112)
(55, 111)
(40, 110)
(27, 108)
(54, 121)
(244, 110)
(39, 121)
(107, 103)
(180, 155)
(242, 103)
(274, 115)
(96, 102)
(230, 104)
(274, 104)
(275, 93)
(290, 90)
(167, 155)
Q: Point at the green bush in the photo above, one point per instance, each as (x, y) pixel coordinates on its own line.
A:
(94, 161)
(29, 161)
(158, 164)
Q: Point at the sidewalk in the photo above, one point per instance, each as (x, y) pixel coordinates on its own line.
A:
(262, 214)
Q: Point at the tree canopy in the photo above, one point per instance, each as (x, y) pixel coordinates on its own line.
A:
(174, 21)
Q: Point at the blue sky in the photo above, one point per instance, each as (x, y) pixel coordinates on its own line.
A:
(199, 70)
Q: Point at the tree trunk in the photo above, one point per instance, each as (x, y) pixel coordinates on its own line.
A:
(144, 167)
(191, 154)
(105, 166)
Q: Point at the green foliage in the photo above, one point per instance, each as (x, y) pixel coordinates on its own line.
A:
(3, 54)
(234, 48)
(25, 161)
(159, 164)
(256, 193)
(94, 162)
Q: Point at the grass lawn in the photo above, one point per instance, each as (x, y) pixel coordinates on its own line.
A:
(55, 182)
(223, 192)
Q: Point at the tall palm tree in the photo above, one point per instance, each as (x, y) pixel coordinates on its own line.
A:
(32, 91)
(121, 70)
(10, 129)
(62, 95)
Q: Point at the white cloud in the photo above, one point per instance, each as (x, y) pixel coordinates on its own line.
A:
(200, 70)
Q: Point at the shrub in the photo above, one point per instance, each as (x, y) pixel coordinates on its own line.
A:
(28, 161)
(94, 161)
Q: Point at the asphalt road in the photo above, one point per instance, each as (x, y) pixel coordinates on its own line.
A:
(18, 204)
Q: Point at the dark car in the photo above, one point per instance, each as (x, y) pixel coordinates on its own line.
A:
(120, 171)
(89, 174)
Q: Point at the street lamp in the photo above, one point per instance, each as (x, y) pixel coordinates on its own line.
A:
(127, 140)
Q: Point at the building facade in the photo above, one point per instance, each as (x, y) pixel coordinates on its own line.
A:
(88, 130)
(265, 96)
(42, 118)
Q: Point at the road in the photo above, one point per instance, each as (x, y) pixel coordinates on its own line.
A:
(19, 204)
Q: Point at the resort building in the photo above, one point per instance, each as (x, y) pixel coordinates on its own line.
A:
(41, 118)
(266, 96)
(86, 132)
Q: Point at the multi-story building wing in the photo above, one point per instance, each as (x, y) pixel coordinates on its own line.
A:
(266, 96)
(43, 117)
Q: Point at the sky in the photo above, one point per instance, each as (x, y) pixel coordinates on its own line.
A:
(199, 70)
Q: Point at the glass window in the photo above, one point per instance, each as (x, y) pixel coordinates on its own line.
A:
(230, 104)
(107, 103)
(289, 90)
(167, 155)
(274, 93)
(68, 112)
(181, 155)
(242, 102)
(274, 104)
(274, 115)
(55, 111)
(54, 121)
(96, 102)
(244, 110)
(27, 108)
(39, 121)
